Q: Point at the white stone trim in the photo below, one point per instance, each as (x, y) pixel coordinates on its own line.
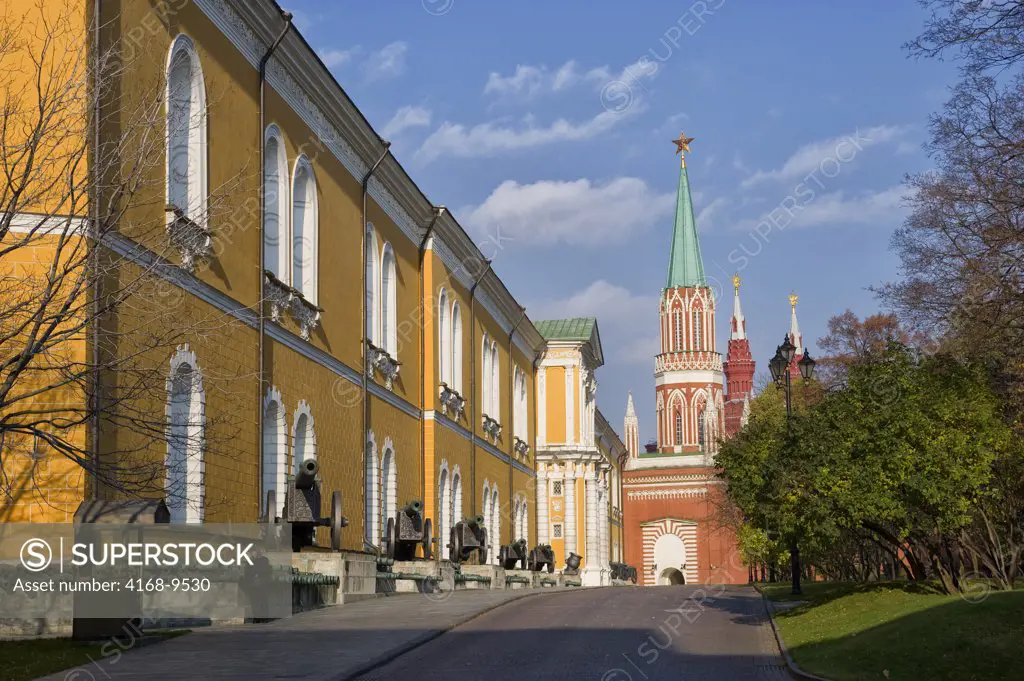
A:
(192, 508)
(275, 467)
(309, 450)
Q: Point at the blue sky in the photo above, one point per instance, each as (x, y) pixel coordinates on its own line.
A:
(546, 128)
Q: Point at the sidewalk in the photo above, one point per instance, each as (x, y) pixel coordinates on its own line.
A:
(332, 644)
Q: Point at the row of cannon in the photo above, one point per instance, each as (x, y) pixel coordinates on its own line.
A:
(404, 533)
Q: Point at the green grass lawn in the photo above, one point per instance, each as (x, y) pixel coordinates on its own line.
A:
(24, 660)
(901, 631)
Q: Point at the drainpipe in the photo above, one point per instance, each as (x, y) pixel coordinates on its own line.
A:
(438, 212)
(94, 258)
(287, 16)
(511, 405)
(362, 326)
(622, 503)
(472, 373)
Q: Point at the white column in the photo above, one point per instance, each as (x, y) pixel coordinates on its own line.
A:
(542, 504)
(569, 491)
(592, 576)
(603, 520)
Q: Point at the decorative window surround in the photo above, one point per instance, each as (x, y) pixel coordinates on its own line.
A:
(521, 447)
(378, 359)
(191, 239)
(306, 315)
(491, 427)
(283, 297)
(452, 402)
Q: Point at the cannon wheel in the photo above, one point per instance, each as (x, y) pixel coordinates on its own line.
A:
(337, 520)
(428, 539)
(270, 514)
(389, 539)
(455, 546)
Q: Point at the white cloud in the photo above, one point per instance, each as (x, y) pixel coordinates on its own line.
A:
(620, 317)
(405, 118)
(335, 58)
(488, 139)
(882, 208)
(705, 219)
(842, 149)
(387, 62)
(578, 212)
(531, 80)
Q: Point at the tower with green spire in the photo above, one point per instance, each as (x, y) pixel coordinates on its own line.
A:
(688, 375)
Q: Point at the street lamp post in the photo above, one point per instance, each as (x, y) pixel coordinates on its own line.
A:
(781, 376)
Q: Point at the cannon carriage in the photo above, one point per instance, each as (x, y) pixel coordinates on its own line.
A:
(513, 553)
(542, 557)
(302, 508)
(407, 530)
(467, 537)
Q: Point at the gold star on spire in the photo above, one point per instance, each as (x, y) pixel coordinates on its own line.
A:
(682, 147)
(736, 281)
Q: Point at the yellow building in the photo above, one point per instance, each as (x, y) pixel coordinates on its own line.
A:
(579, 456)
(285, 292)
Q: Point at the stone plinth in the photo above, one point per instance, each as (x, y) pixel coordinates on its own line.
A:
(493, 572)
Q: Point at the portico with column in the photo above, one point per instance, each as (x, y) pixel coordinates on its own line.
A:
(578, 453)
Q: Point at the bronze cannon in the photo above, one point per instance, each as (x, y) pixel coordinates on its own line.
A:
(542, 556)
(513, 553)
(407, 530)
(302, 508)
(469, 536)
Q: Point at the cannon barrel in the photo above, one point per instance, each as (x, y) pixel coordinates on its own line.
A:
(306, 477)
(413, 508)
(475, 520)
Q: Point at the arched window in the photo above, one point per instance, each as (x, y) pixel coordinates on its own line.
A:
(443, 510)
(698, 331)
(303, 436)
(495, 383)
(494, 531)
(486, 377)
(275, 451)
(456, 500)
(275, 197)
(456, 343)
(389, 301)
(519, 403)
(389, 491)
(443, 352)
(372, 282)
(186, 431)
(186, 131)
(678, 425)
(700, 429)
(677, 329)
(371, 495)
(522, 520)
(305, 229)
(487, 512)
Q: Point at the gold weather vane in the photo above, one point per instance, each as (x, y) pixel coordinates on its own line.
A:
(792, 299)
(682, 147)
(736, 281)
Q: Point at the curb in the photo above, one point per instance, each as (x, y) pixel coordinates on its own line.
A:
(794, 670)
(428, 636)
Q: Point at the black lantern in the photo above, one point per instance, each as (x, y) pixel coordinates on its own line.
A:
(806, 365)
(778, 365)
(788, 349)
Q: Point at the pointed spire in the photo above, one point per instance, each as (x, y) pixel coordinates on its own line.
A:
(795, 336)
(685, 266)
(631, 428)
(739, 324)
(630, 411)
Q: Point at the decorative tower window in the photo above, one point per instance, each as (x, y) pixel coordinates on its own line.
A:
(698, 332)
(556, 488)
(679, 426)
(700, 429)
(677, 322)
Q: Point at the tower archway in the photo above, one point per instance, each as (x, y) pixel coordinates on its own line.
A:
(671, 577)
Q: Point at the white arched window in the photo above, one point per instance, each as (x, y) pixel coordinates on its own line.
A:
(486, 377)
(443, 509)
(371, 495)
(519, 417)
(456, 343)
(523, 531)
(677, 329)
(389, 486)
(443, 353)
(303, 435)
(275, 451)
(495, 383)
(389, 301)
(698, 331)
(276, 241)
(456, 498)
(305, 229)
(487, 513)
(186, 431)
(494, 531)
(186, 131)
(372, 283)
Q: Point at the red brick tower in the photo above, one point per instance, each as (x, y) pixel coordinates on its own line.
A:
(738, 367)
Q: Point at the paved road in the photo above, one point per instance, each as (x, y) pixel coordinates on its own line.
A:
(618, 634)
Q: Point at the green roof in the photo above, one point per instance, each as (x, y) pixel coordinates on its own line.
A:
(685, 266)
(579, 329)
